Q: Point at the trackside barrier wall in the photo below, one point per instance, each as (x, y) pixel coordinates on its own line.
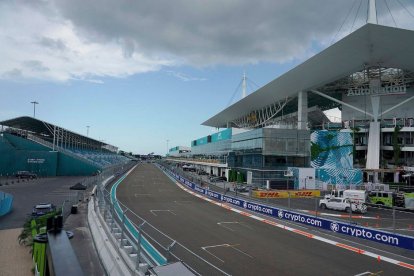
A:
(383, 237)
(6, 203)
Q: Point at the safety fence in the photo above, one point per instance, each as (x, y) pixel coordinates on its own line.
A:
(336, 226)
(146, 245)
(6, 203)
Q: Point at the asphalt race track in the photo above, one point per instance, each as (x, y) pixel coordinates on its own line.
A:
(236, 244)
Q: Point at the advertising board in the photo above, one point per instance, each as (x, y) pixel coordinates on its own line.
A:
(366, 233)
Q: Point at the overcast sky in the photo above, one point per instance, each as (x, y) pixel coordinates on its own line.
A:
(142, 72)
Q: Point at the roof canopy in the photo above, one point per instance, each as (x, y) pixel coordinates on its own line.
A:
(371, 45)
(45, 129)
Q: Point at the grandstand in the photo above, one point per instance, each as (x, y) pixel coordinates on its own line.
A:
(29, 144)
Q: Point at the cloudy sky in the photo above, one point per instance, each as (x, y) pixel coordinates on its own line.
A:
(142, 72)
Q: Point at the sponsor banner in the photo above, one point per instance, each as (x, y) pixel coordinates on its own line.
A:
(330, 225)
(305, 193)
(372, 235)
(270, 194)
(285, 194)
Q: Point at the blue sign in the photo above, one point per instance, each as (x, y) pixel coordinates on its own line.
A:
(331, 225)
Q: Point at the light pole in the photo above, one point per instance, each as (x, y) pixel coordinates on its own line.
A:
(167, 148)
(87, 131)
(34, 108)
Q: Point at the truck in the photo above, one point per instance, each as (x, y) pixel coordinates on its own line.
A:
(387, 198)
(342, 204)
(356, 196)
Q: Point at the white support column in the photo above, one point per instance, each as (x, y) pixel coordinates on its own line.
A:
(375, 99)
(302, 110)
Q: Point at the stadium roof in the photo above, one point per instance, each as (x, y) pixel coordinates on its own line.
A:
(370, 45)
(44, 128)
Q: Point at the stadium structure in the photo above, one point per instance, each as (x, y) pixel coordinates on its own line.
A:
(29, 144)
(368, 75)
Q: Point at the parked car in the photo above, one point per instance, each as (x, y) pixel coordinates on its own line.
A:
(25, 174)
(241, 189)
(189, 168)
(42, 209)
(202, 173)
(218, 179)
(342, 204)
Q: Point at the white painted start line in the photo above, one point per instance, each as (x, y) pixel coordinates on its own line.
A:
(300, 232)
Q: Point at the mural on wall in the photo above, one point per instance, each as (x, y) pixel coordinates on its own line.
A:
(332, 156)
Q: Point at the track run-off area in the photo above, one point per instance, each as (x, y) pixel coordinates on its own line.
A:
(238, 243)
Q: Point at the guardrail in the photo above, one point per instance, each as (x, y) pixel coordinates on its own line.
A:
(367, 233)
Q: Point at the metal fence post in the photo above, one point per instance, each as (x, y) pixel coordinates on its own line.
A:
(288, 200)
(393, 219)
(350, 211)
(139, 244)
(316, 206)
(123, 227)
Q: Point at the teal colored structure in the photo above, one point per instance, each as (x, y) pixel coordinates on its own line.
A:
(6, 203)
(332, 157)
(20, 154)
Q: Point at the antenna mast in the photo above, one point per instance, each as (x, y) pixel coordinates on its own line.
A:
(244, 85)
(372, 13)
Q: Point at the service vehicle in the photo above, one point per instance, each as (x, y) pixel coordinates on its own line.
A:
(25, 174)
(189, 168)
(388, 199)
(342, 204)
(357, 196)
(218, 179)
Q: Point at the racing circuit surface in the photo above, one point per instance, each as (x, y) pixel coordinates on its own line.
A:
(236, 244)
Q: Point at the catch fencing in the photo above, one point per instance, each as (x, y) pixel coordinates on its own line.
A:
(384, 237)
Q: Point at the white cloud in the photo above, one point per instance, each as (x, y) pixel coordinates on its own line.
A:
(44, 47)
(184, 77)
(89, 40)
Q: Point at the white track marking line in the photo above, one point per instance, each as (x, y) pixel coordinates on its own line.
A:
(169, 211)
(213, 246)
(233, 222)
(242, 252)
(137, 195)
(344, 246)
(365, 273)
